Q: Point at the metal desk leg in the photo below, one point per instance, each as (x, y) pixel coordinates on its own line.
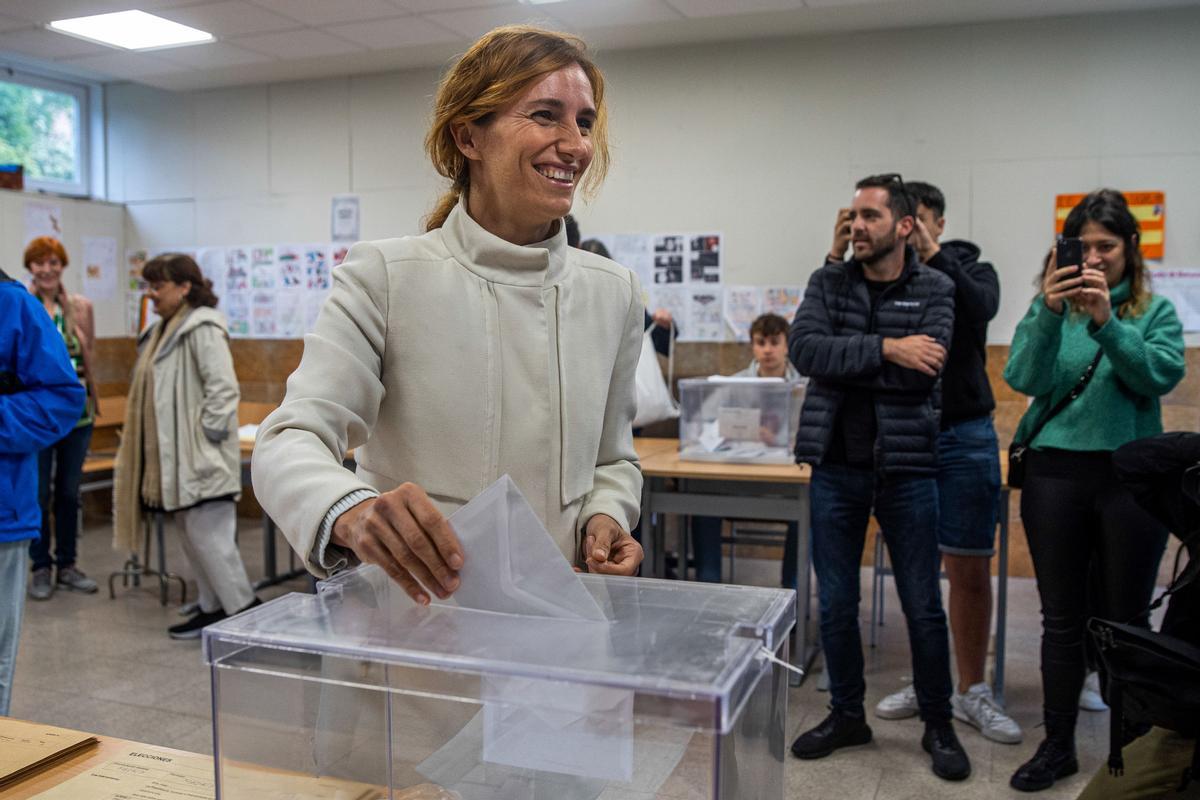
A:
(1001, 601)
(272, 576)
(658, 535)
(800, 655)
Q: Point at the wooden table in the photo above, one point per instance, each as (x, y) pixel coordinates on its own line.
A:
(775, 492)
(108, 748)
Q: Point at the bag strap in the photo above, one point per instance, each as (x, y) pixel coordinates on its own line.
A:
(1080, 385)
(671, 359)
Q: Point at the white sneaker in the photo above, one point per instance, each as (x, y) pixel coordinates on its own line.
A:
(979, 709)
(1089, 696)
(898, 705)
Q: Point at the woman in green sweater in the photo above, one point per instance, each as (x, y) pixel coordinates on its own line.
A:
(1076, 515)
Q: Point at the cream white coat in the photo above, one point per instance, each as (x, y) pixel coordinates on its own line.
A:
(450, 359)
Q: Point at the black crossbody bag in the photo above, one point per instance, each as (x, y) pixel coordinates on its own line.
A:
(1017, 450)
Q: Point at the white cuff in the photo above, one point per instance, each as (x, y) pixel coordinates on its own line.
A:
(322, 549)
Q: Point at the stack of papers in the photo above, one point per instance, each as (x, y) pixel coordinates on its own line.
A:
(27, 747)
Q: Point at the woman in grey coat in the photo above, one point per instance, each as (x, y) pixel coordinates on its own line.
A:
(179, 449)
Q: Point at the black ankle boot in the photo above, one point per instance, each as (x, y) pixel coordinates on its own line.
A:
(835, 732)
(1054, 759)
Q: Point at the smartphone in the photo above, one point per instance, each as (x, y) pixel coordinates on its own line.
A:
(1069, 252)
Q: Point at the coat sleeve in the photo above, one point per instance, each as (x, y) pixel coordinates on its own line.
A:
(219, 408)
(1034, 351)
(816, 351)
(331, 405)
(1150, 363)
(617, 481)
(976, 286)
(49, 399)
(937, 322)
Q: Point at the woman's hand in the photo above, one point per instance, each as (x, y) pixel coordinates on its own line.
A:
(1094, 298)
(609, 549)
(403, 532)
(1060, 285)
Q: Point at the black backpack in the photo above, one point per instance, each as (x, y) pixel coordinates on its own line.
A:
(1153, 678)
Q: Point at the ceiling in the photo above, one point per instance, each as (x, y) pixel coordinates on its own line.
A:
(276, 40)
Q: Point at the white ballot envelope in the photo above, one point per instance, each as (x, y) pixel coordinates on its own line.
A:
(512, 566)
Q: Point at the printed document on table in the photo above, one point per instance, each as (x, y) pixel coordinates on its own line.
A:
(26, 747)
(148, 773)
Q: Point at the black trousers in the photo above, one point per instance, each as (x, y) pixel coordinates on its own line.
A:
(1078, 519)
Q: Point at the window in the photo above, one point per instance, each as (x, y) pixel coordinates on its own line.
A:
(43, 126)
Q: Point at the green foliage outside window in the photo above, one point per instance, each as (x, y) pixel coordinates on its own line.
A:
(39, 128)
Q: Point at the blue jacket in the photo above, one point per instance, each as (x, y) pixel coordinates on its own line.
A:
(40, 402)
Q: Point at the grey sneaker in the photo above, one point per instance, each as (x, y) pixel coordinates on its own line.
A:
(898, 705)
(977, 707)
(40, 586)
(75, 580)
(1090, 698)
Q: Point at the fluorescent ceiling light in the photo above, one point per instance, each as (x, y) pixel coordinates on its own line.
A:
(132, 30)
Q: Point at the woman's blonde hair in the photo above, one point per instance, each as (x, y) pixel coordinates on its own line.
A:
(497, 70)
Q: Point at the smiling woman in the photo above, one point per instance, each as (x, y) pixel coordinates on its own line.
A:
(527, 370)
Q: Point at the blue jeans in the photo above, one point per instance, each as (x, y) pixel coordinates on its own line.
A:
(64, 459)
(706, 542)
(968, 488)
(907, 509)
(12, 603)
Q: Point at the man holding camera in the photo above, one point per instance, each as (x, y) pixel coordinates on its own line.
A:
(40, 401)
(872, 335)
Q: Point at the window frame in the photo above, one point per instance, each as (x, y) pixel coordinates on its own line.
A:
(81, 186)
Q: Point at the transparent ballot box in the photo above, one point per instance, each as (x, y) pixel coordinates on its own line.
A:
(357, 692)
(743, 420)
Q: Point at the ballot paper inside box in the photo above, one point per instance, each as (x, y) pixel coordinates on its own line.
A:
(741, 420)
(667, 693)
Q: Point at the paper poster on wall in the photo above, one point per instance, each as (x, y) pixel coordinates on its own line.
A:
(1182, 288)
(673, 299)
(99, 267)
(635, 252)
(1150, 209)
(705, 320)
(345, 218)
(782, 300)
(316, 268)
(290, 260)
(211, 261)
(668, 258)
(43, 219)
(263, 268)
(743, 304)
(337, 254)
(704, 258)
(312, 309)
(237, 313)
(262, 316)
(290, 315)
(237, 270)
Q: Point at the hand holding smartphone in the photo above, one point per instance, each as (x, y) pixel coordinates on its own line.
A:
(1068, 252)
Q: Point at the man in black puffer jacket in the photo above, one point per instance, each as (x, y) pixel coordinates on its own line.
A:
(872, 335)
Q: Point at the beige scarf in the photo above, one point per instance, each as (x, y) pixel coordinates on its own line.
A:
(138, 477)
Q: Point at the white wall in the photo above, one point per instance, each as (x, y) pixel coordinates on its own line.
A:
(80, 218)
(761, 140)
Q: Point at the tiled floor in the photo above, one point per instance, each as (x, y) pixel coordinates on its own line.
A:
(107, 666)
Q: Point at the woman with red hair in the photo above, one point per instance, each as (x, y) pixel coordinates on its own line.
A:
(60, 466)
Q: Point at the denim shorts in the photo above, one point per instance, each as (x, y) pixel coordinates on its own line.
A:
(968, 488)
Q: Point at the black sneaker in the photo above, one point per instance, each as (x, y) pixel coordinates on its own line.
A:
(950, 762)
(838, 730)
(1054, 759)
(191, 629)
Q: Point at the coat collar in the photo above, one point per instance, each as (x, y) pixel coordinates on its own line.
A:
(495, 260)
(195, 317)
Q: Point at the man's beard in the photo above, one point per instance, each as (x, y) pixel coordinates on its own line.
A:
(879, 249)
